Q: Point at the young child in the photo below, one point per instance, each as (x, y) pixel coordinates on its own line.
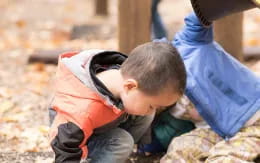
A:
(104, 102)
(225, 93)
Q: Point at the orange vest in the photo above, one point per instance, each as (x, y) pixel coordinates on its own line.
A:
(75, 102)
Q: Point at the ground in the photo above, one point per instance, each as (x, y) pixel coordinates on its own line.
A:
(25, 89)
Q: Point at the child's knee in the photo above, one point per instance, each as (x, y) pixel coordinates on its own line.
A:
(125, 140)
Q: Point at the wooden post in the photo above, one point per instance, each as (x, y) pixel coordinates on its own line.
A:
(134, 19)
(229, 33)
(101, 7)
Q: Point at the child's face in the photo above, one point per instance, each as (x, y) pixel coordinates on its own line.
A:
(138, 103)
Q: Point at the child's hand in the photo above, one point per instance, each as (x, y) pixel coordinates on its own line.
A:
(153, 148)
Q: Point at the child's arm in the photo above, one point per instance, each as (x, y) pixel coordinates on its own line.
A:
(194, 33)
(69, 133)
(68, 142)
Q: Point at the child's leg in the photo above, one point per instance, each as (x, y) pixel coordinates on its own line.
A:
(110, 147)
(158, 27)
(117, 144)
(243, 147)
(137, 126)
(192, 147)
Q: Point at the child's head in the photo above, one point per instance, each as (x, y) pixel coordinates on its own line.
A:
(154, 76)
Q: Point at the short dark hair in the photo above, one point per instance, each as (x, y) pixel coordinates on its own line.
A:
(156, 66)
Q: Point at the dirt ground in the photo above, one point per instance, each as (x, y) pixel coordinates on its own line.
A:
(25, 89)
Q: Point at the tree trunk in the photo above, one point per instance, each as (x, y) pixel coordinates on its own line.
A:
(229, 33)
(134, 19)
(101, 7)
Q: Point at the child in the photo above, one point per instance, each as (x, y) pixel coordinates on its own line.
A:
(104, 101)
(225, 93)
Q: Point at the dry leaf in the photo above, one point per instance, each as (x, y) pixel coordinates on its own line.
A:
(36, 67)
(59, 36)
(26, 44)
(10, 119)
(14, 117)
(37, 89)
(5, 106)
(27, 107)
(33, 140)
(44, 160)
(69, 8)
(257, 19)
(20, 23)
(5, 92)
(44, 129)
(253, 42)
(11, 131)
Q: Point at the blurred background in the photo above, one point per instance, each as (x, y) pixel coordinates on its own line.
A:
(45, 27)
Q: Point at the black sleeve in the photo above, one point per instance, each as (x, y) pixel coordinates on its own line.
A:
(66, 143)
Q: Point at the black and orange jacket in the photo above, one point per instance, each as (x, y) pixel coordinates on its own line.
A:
(81, 103)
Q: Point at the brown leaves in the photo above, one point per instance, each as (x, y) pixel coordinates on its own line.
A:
(37, 77)
(5, 106)
(59, 36)
(253, 42)
(5, 92)
(24, 139)
(37, 67)
(24, 89)
(33, 140)
(251, 28)
(20, 23)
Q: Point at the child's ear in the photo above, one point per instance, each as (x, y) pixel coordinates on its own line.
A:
(130, 84)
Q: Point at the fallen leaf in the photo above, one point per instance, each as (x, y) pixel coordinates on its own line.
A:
(44, 129)
(5, 106)
(44, 160)
(20, 23)
(59, 36)
(36, 67)
(252, 42)
(9, 119)
(257, 19)
(27, 107)
(14, 117)
(5, 92)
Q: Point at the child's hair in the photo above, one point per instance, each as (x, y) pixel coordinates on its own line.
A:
(156, 66)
